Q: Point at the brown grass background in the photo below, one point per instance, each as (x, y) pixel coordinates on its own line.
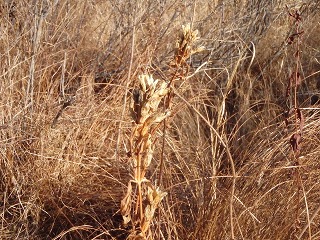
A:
(66, 181)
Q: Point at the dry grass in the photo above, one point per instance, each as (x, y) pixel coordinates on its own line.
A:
(68, 70)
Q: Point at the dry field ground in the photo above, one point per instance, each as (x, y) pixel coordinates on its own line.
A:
(238, 157)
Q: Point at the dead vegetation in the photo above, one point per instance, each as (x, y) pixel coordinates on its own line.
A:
(69, 145)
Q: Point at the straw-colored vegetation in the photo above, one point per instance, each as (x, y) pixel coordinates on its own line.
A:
(117, 123)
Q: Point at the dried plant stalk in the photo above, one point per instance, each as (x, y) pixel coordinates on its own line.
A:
(146, 115)
(138, 207)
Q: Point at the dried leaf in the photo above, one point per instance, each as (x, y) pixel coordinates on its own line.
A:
(125, 205)
(293, 36)
(301, 119)
(154, 196)
(144, 131)
(136, 105)
(289, 86)
(296, 14)
(295, 142)
(298, 78)
(143, 86)
(290, 40)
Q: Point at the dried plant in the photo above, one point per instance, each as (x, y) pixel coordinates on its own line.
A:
(147, 115)
(294, 81)
(185, 44)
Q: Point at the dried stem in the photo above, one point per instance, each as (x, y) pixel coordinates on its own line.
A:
(147, 117)
(295, 139)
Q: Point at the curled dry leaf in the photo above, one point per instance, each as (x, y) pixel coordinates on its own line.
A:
(125, 206)
(154, 197)
(296, 15)
(289, 86)
(147, 152)
(295, 142)
(136, 105)
(292, 37)
(295, 78)
(298, 78)
(147, 83)
(143, 85)
(290, 40)
(301, 119)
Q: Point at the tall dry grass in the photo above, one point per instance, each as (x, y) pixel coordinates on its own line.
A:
(68, 69)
